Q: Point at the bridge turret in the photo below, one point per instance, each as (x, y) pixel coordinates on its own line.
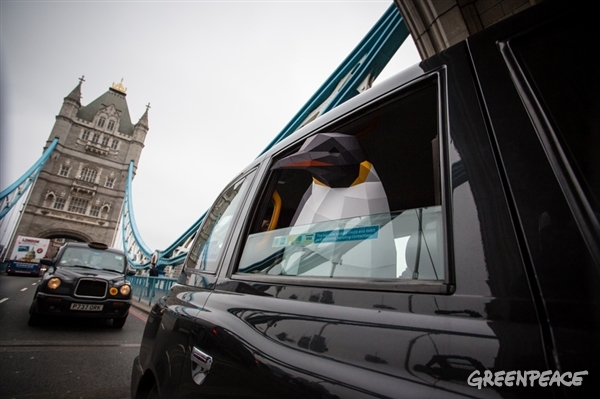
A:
(64, 119)
(140, 129)
(80, 190)
(72, 102)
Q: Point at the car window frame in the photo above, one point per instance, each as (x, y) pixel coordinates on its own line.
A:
(248, 178)
(437, 77)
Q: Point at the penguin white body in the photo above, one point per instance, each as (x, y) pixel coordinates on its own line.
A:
(344, 226)
(323, 203)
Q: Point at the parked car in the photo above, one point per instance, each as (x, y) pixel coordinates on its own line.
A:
(436, 236)
(83, 280)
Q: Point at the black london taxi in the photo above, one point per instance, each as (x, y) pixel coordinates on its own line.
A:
(84, 280)
(436, 236)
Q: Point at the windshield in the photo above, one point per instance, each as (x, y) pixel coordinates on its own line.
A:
(93, 258)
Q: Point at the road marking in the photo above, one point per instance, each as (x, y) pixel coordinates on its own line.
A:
(33, 283)
(23, 289)
(138, 315)
(3, 300)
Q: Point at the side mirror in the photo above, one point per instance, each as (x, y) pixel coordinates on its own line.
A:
(47, 261)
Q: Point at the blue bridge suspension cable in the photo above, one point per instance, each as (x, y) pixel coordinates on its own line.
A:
(11, 195)
(137, 252)
(356, 74)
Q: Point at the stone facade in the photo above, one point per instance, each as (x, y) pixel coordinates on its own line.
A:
(79, 193)
(438, 24)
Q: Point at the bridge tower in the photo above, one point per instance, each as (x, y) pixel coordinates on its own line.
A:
(79, 193)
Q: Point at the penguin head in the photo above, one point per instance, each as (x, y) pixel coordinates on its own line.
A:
(333, 159)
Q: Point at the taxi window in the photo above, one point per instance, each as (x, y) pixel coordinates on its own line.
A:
(211, 237)
(360, 200)
(89, 257)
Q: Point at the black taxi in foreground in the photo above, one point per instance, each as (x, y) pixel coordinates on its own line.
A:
(437, 236)
(83, 280)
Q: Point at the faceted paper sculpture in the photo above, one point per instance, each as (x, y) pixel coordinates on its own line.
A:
(346, 189)
(345, 183)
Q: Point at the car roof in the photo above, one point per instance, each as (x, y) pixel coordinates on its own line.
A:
(94, 246)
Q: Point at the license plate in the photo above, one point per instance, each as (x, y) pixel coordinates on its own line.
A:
(86, 307)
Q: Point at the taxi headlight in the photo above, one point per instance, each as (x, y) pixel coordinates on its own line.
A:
(125, 289)
(54, 283)
(113, 291)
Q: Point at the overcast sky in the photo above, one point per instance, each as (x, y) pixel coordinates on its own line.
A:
(223, 78)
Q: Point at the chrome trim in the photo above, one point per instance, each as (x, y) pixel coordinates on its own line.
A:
(201, 365)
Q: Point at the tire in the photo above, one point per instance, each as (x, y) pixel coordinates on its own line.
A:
(35, 319)
(119, 323)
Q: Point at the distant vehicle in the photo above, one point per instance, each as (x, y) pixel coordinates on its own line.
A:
(467, 263)
(83, 280)
(26, 255)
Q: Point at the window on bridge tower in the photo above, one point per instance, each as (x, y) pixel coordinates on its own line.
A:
(89, 175)
(59, 203)
(64, 170)
(94, 211)
(78, 205)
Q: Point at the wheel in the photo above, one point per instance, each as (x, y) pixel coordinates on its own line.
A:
(34, 318)
(119, 323)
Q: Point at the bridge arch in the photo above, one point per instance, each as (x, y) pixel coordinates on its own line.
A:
(68, 235)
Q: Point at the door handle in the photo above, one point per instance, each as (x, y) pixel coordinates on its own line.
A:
(201, 365)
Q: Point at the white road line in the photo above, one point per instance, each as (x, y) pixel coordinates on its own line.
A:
(23, 289)
(33, 283)
(3, 300)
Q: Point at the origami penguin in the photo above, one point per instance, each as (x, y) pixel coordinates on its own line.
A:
(344, 184)
(345, 189)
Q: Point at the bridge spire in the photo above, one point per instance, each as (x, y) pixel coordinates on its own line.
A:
(75, 94)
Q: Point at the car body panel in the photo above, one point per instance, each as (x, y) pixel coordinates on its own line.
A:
(511, 226)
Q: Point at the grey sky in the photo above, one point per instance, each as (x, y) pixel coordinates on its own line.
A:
(223, 78)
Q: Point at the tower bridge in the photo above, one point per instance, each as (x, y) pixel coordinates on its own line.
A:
(99, 139)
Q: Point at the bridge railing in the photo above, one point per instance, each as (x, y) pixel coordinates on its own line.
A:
(149, 289)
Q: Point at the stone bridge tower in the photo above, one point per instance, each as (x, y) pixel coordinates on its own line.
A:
(79, 193)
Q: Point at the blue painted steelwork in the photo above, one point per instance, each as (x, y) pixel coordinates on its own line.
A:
(177, 259)
(149, 289)
(359, 69)
(137, 252)
(356, 73)
(11, 195)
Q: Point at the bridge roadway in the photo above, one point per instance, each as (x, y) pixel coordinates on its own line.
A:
(63, 359)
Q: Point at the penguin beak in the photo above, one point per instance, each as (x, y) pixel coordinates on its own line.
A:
(300, 161)
(332, 158)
